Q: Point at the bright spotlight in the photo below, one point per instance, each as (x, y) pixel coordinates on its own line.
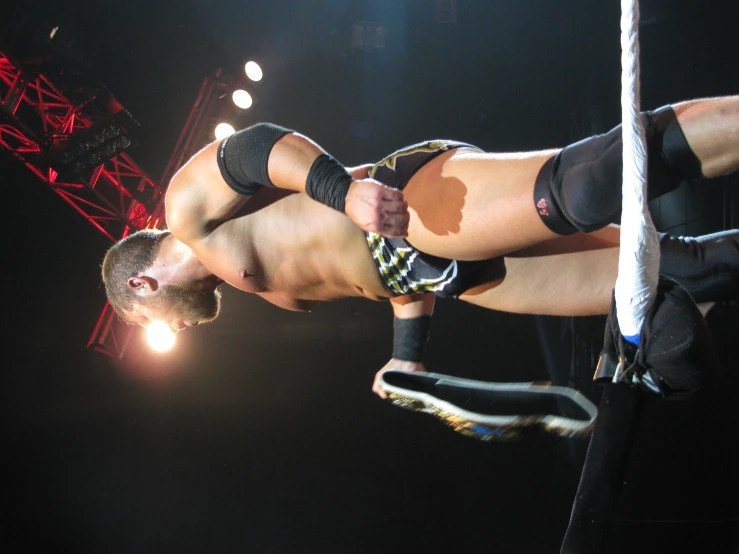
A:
(160, 336)
(224, 130)
(253, 71)
(242, 99)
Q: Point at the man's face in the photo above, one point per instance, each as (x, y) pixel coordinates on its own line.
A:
(178, 307)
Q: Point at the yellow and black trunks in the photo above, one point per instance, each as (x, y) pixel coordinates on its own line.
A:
(405, 269)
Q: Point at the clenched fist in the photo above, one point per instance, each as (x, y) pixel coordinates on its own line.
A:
(377, 208)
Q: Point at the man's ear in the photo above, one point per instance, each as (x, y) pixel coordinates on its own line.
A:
(143, 284)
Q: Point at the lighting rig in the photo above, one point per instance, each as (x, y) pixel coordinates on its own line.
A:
(71, 132)
(211, 115)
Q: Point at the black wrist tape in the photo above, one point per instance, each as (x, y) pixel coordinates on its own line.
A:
(328, 182)
(410, 337)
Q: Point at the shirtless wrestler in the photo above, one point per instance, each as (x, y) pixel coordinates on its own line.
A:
(265, 210)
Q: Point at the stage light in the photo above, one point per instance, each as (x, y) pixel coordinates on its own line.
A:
(242, 99)
(108, 151)
(96, 140)
(224, 130)
(253, 71)
(122, 143)
(112, 131)
(94, 159)
(160, 336)
(85, 149)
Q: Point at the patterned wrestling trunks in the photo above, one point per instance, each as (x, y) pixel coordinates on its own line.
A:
(405, 269)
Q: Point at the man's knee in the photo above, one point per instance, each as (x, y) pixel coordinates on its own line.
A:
(582, 184)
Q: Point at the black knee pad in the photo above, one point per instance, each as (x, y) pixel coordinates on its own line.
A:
(579, 189)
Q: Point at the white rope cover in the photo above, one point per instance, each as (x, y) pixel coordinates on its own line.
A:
(638, 264)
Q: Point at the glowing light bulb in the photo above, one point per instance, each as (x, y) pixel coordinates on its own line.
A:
(160, 336)
(253, 71)
(242, 99)
(224, 130)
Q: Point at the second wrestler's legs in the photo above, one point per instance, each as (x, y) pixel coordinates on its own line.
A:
(575, 275)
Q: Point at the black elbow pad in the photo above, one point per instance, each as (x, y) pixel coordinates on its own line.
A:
(242, 157)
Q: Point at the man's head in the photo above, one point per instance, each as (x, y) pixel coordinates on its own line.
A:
(146, 282)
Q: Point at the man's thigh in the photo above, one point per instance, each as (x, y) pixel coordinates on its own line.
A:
(470, 205)
(567, 276)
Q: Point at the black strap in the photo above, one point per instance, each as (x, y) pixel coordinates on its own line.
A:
(243, 157)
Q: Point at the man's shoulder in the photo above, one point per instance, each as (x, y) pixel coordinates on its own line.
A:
(182, 210)
(187, 195)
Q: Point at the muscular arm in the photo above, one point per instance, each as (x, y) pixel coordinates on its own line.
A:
(360, 172)
(414, 305)
(200, 197)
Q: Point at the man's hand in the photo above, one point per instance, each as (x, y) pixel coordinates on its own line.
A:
(395, 364)
(377, 208)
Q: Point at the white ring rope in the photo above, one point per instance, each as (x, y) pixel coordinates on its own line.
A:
(638, 263)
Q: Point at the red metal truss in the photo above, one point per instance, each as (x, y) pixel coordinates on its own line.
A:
(41, 116)
(117, 197)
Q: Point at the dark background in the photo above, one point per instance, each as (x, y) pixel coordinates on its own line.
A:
(259, 433)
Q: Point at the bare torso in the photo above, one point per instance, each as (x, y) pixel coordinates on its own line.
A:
(464, 204)
(296, 252)
(292, 251)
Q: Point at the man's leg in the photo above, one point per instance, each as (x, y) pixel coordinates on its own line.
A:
(711, 127)
(470, 205)
(575, 275)
(581, 186)
(467, 204)
(567, 276)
